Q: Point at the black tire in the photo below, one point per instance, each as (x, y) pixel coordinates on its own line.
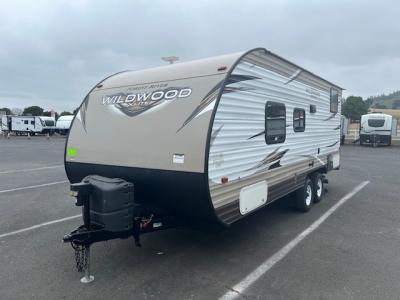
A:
(390, 141)
(304, 196)
(318, 185)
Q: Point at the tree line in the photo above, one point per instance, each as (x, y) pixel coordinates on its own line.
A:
(354, 107)
(34, 111)
(391, 100)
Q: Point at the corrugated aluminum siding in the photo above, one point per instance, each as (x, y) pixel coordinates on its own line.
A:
(241, 115)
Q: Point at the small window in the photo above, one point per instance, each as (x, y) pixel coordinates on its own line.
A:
(299, 120)
(376, 122)
(334, 101)
(32, 122)
(275, 123)
(26, 122)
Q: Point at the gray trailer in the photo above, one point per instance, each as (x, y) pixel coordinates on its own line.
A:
(202, 144)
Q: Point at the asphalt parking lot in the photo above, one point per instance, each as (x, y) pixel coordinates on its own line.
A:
(353, 254)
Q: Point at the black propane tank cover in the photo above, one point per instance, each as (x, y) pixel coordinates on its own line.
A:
(111, 203)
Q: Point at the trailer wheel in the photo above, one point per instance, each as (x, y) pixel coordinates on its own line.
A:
(318, 184)
(304, 196)
(31, 133)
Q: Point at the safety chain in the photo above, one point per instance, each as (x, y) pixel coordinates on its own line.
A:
(81, 256)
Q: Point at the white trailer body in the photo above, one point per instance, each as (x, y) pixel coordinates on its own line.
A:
(49, 124)
(26, 124)
(63, 124)
(377, 129)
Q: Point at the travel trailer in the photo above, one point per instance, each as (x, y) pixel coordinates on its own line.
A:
(63, 124)
(49, 124)
(27, 125)
(202, 143)
(377, 129)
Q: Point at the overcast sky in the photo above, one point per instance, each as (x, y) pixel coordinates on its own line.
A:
(53, 52)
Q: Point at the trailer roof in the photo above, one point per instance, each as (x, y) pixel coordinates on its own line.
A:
(202, 67)
(195, 68)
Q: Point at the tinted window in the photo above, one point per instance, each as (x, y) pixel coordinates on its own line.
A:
(334, 101)
(299, 120)
(49, 123)
(275, 122)
(32, 122)
(376, 122)
(26, 122)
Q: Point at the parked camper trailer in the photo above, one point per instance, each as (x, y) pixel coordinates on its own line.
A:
(63, 124)
(344, 127)
(49, 124)
(377, 129)
(5, 123)
(27, 125)
(203, 143)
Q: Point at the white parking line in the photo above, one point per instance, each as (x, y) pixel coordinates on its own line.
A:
(38, 226)
(33, 186)
(240, 287)
(29, 170)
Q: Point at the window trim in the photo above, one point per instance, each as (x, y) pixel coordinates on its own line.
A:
(266, 122)
(302, 128)
(331, 99)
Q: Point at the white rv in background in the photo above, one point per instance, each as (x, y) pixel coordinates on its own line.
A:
(63, 124)
(377, 129)
(28, 125)
(49, 124)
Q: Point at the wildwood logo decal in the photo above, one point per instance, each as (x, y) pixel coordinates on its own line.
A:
(133, 104)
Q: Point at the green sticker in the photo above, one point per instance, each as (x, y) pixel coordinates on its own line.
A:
(71, 152)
